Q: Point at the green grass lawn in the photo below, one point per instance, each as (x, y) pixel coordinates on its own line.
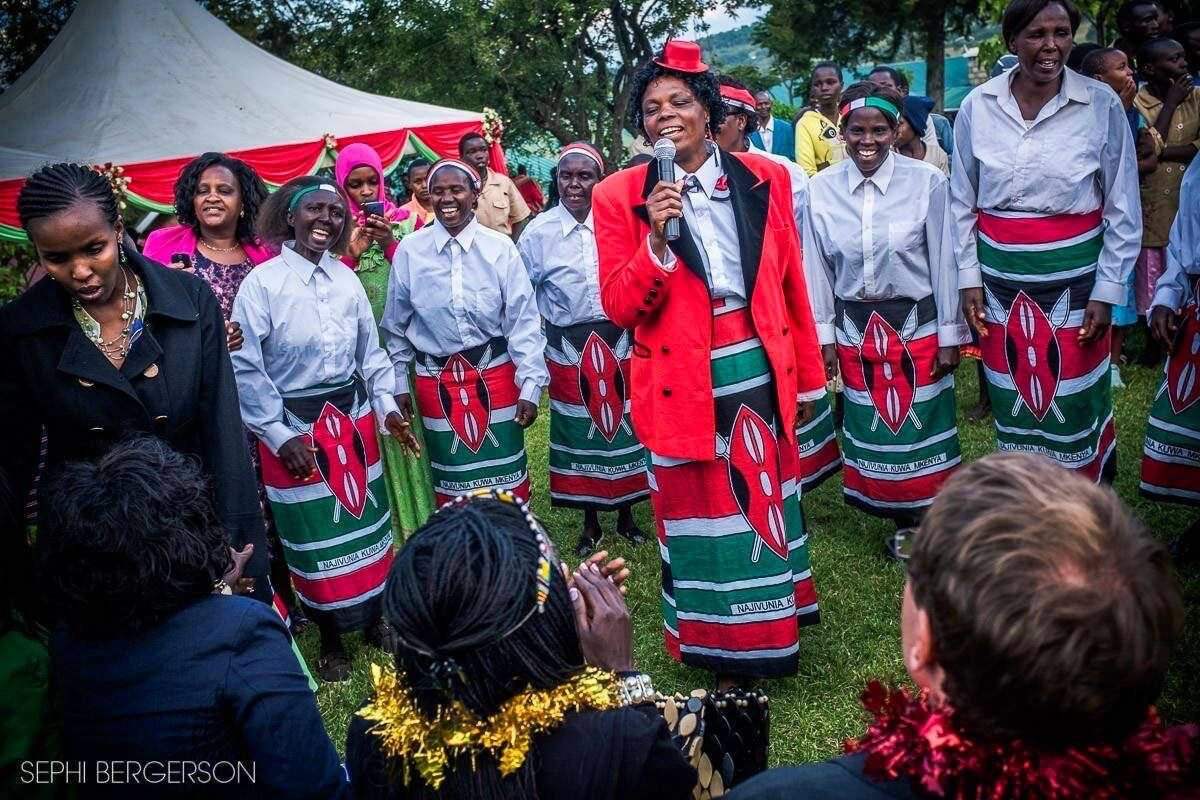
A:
(859, 589)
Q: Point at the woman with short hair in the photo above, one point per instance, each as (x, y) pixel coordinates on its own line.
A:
(596, 462)
(879, 258)
(217, 198)
(152, 663)
(725, 368)
(315, 388)
(1048, 226)
(461, 310)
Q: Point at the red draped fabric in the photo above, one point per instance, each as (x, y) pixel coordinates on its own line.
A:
(152, 183)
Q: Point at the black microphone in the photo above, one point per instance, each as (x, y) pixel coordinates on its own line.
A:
(664, 154)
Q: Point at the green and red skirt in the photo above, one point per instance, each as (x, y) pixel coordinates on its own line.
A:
(1171, 453)
(736, 577)
(335, 526)
(596, 460)
(468, 404)
(819, 457)
(1050, 395)
(900, 433)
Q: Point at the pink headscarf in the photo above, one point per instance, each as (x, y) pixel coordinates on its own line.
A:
(363, 155)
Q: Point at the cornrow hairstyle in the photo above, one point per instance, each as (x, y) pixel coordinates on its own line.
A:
(272, 224)
(861, 89)
(57, 187)
(250, 186)
(751, 117)
(459, 589)
(703, 85)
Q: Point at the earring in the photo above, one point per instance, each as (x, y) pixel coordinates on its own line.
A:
(121, 251)
(242, 213)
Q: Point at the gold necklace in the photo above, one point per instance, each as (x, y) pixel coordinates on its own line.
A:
(215, 249)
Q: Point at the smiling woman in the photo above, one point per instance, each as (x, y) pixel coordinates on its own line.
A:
(725, 367)
(1048, 227)
(313, 384)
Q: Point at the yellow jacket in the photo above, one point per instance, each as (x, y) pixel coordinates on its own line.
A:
(818, 143)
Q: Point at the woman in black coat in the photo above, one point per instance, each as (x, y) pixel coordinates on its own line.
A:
(110, 344)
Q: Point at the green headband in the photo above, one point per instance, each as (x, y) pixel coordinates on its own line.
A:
(873, 102)
(316, 187)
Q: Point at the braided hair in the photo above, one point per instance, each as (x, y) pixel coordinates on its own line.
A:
(703, 85)
(57, 187)
(459, 590)
(250, 186)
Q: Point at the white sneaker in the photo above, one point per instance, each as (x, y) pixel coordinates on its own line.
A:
(1117, 383)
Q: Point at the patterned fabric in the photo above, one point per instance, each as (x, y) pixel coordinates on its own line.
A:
(334, 525)
(1050, 395)
(1150, 266)
(735, 568)
(409, 481)
(1171, 454)
(901, 436)
(223, 279)
(468, 403)
(818, 448)
(596, 460)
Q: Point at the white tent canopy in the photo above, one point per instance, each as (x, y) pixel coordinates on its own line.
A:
(129, 81)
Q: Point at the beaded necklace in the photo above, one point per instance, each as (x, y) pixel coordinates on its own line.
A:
(132, 311)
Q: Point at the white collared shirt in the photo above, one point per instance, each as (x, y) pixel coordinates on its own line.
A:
(560, 256)
(767, 133)
(799, 180)
(714, 229)
(447, 294)
(304, 325)
(1077, 156)
(1183, 247)
(881, 237)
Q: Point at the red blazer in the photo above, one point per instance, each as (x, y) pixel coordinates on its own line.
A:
(670, 312)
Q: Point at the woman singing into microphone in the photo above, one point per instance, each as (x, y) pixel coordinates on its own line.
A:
(725, 366)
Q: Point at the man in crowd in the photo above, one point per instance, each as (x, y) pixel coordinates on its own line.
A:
(1138, 21)
(501, 206)
(772, 135)
(940, 131)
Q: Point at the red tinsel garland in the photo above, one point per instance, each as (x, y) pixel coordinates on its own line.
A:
(909, 739)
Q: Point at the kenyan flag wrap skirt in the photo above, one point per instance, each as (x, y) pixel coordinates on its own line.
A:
(1171, 454)
(818, 447)
(596, 460)
(1050, 395)
(335, 526)
(735, 570)
(900, 432)
(468, 404)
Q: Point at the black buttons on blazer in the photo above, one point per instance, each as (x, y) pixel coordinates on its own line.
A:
(666, 391)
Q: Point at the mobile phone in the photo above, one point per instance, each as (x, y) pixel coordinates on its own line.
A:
(182, 258)
(373, 208)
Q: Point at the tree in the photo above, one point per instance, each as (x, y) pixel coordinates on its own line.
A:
(801, 32)
(26, 29)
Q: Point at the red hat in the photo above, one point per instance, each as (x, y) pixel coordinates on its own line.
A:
(737, 99)
(681, 55)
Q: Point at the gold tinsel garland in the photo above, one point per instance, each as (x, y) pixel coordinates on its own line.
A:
(428, 745)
